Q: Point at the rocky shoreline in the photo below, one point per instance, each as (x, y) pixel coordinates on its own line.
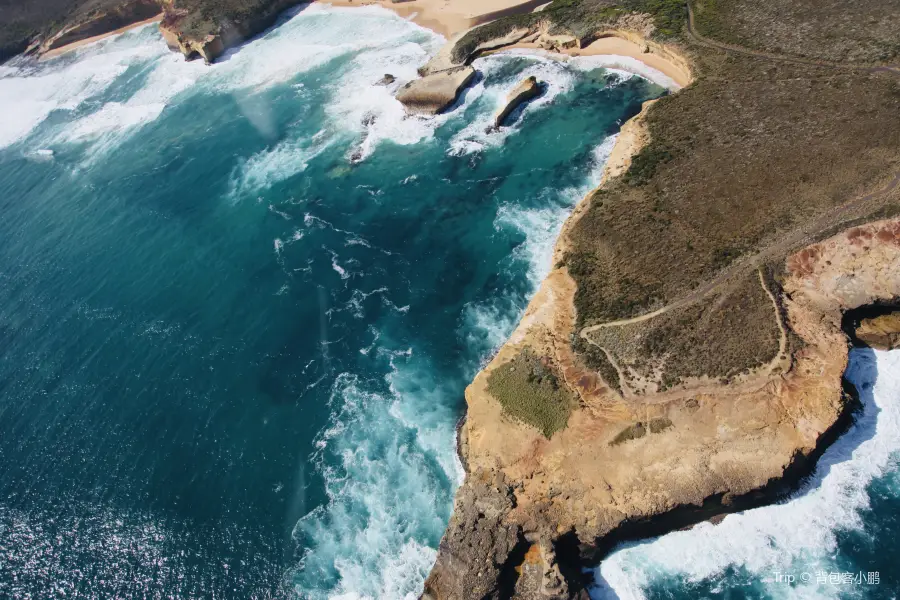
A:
(524, 527)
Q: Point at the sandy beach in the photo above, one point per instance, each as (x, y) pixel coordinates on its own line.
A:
(69, 47)
(453, 17)
(449, 17)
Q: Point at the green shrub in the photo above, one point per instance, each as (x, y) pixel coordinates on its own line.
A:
(529, 390)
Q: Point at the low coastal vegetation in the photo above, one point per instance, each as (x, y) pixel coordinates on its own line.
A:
(639, 430)
(721, 337)
(20, 22)
(755, 159)
(818, 30)
(529, 389)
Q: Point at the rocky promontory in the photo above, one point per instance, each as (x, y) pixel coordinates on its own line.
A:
(435, 92)
(202, 29)
(691, 326)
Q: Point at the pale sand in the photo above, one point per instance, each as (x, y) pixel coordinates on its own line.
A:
(97, 38)
(614, 47)
(453, 17)
(448, 17)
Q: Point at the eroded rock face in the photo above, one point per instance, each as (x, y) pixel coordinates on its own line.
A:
(881, 332)
(479, 541)
(209, 36)
(527, 89)
(435, 92)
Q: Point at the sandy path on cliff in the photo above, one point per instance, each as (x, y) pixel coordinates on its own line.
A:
(803, 235)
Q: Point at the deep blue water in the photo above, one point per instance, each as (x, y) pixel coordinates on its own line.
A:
(232, 358)
(239, 306)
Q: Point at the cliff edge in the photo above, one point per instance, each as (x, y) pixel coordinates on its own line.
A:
(684, 357)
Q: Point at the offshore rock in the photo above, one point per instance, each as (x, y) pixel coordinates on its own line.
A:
(526, 90)
(435, 92)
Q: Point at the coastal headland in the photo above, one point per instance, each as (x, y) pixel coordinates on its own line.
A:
(684, 357)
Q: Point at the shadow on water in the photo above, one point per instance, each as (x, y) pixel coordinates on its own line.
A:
(855, 426)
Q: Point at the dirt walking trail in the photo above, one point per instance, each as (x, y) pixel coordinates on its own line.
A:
(803, 235)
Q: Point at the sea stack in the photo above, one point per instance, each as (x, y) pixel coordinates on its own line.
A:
(435, 92)
(526, 90)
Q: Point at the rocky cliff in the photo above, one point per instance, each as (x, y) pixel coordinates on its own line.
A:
(692, 320)
(206, 29)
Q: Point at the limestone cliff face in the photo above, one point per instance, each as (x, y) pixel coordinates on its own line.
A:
(649, 463)
(209, 36)
(881, 332)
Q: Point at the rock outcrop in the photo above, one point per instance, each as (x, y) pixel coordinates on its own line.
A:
(882, 332)
(527, 89)
(208, 36)
(725, 445)
(435, 92)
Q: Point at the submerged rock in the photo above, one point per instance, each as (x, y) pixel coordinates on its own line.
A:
(881, 332)
(388, 79)
(526, 90)
(435, 92)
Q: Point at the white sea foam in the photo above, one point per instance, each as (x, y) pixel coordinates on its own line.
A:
(385, 459)
(272, 165)
(624, 65)
(373, 39)
(493, 90)
(798, 536)
(627, 65)
(29, 94)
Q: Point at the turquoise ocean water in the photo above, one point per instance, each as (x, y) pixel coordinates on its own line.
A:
(239, 305)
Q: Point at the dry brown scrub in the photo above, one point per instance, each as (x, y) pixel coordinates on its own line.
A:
(830, 30)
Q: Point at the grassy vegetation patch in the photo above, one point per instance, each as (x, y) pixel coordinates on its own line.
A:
(659, 424)
(529, 389)
(639, 430)
(632, 432)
